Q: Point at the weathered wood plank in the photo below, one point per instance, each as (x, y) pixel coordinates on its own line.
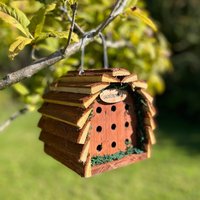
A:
(68, 114)
(70, 99)
(61, 144)
(89, 78)
(98, 169)
(81, 88)
(130, 78)
(77, 167)
(139, 84)
(63, 130)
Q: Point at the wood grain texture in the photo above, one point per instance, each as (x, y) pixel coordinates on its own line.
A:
(110, 71)
(71, 115)
(77, 167)
(89, 78)
(70, 148)
(130, 78)
(98, 169)
(63, 130)
(139, 84)
(70, 99)
(80, 88)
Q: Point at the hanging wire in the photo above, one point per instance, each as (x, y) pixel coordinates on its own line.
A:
(81, 69)
(105, 54)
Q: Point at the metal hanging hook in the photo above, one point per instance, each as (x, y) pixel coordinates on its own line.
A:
(105, 54)
(81, 69)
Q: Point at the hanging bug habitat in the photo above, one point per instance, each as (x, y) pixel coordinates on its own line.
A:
(97, 120)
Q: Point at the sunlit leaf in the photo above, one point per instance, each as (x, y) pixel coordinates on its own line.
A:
(140, 14)
(21, 89)
(14, 17)
(18, 46)
(38, 20)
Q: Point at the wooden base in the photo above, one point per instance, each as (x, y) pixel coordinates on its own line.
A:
(98, 169)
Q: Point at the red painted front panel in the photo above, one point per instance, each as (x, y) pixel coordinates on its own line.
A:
(112, 124)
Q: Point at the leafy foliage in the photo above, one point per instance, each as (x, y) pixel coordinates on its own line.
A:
(145, 52)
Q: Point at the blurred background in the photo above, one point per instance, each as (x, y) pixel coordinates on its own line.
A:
(168, 60)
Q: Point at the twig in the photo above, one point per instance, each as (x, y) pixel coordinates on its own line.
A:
(76, 26)
(32, 69)
(74, 10)
(12, 118)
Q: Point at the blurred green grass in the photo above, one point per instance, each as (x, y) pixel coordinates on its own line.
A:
(27, 173)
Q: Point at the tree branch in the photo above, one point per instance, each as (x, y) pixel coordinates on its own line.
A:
(32, 69)
(76, 26)
(12, 118)
(74, 10)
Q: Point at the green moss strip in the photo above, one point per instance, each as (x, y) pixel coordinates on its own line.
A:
(98, 160)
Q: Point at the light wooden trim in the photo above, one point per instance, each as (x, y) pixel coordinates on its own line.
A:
(82, 137)
(150, 135)
(89, 78)
(130, 78)
(84, 105)
(146, 95)
(139, 84)
(88, 168)
(89, 90)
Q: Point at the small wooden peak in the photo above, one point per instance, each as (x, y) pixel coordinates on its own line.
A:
(111, 71)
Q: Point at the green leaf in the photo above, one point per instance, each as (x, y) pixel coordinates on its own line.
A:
(18, 46)
(142, 16)
(38, 20)
(14, 17)
(21, 89)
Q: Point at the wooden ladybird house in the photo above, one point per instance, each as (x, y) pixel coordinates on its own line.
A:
(97, 121)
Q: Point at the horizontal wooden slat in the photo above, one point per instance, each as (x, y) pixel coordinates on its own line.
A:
(77, 167)
(60, 143)
(110, 71)
(98, 169)
(63, 130)
(89, 78)
(70, 99)
(80, 88)
(68, 114)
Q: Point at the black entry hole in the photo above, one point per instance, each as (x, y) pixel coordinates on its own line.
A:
(126, 141)
(113, 108)
(113, 144)
(99, 109)
(127, 124)
(99, 128)
(99, 147)
(127, 107)
(113, 126)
